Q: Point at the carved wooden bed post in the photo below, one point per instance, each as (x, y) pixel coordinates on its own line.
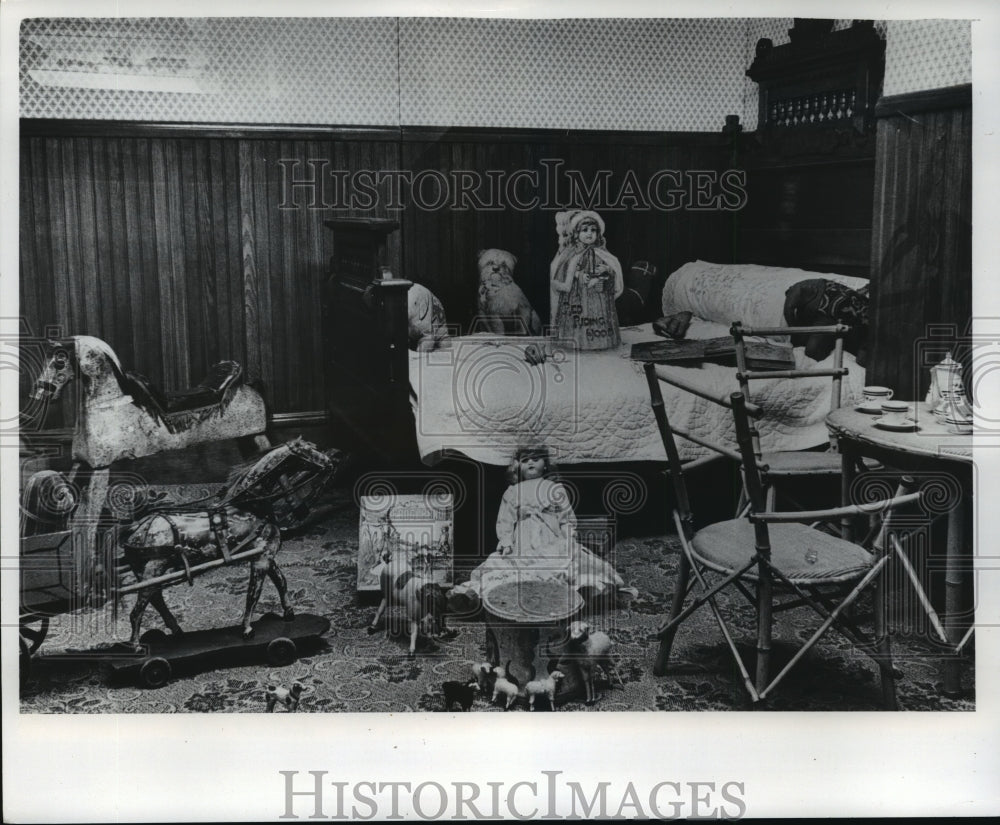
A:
(365, 328)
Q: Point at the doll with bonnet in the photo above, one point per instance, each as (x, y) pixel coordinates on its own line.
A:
(585, 280)
(536, 537)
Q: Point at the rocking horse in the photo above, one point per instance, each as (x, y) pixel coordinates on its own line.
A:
(122, 415)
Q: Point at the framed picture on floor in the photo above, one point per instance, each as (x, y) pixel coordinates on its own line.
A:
(419, 527)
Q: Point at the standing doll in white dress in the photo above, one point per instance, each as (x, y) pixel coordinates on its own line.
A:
(536, 537)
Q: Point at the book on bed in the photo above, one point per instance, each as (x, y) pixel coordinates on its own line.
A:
(761, 355)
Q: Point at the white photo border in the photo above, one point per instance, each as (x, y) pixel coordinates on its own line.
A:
(224, 767)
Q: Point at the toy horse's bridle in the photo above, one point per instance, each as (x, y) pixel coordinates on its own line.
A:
(45, 388)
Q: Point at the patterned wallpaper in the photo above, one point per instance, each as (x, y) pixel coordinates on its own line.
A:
(633, 74)
(590, 74)
(630, 74)
(247, 70)
(927, 54)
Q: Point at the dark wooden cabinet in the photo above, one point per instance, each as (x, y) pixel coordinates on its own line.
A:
(821, 78)
(367, 369)
(810, 162)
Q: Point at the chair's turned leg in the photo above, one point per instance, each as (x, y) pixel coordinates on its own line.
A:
(742, 503)
(764, 595)
(772, 497)
(667, 640)
(953, 602)
(848, 471)
(883, 643)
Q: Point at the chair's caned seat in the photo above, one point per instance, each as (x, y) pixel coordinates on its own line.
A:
(805, 555)
(805, 462)
(809, 462)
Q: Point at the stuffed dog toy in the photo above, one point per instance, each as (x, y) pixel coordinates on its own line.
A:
(502, 305)
(427, 325)
(822, 302)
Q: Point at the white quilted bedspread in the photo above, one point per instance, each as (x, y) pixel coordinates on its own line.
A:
(479, 397)
(749, 293)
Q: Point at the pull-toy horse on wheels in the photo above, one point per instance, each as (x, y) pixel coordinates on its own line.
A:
(120, 415)
(175, 543)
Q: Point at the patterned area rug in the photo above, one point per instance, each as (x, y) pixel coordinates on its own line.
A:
(353, 671)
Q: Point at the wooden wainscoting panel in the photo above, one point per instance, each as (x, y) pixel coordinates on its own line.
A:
(922, 242)
(167, 240)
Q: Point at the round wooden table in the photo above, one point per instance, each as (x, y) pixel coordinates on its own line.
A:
(932, 447)
(522, 620)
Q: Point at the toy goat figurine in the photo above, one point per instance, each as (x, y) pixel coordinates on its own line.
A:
(482, 672)
(588, 649)
(423, 600)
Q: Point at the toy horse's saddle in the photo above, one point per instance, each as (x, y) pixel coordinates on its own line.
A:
(213, 389)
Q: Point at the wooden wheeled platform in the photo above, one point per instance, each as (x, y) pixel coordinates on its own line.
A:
(275, 641)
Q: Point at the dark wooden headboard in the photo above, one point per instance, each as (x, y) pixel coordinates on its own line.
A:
(365, 334)
(811, 161)
(809, 201)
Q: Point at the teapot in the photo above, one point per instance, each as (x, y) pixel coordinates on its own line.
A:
(947, 392)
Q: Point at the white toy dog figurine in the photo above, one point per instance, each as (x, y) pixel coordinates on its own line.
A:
(502, 304)
(289, 697)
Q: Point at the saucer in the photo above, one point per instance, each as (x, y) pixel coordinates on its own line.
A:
(907, 426)
(861, 408)
(961, 426)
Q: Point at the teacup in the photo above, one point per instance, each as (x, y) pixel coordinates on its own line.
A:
(959, 424)
(874, 396)
(896, 413)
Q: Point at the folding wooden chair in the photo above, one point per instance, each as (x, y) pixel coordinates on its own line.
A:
(786, 465)
(776, 561)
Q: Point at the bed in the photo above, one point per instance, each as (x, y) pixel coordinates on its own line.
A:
(477, 395)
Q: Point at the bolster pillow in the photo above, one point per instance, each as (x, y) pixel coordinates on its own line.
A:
(749, 293)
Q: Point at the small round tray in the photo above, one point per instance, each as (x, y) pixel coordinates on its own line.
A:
(532, 601)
